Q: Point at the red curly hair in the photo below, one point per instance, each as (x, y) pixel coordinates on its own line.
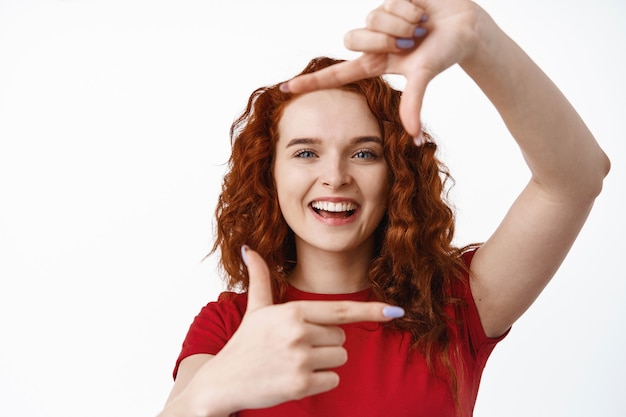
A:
(415, 260)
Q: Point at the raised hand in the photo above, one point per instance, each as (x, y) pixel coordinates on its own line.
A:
(418, 39)
(280, 352)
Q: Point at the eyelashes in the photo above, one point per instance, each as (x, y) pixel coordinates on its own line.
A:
(305, 154)
(364, 153)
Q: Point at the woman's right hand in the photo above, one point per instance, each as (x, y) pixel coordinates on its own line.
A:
(279, 352)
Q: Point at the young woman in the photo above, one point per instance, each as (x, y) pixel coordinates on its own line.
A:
(355, 302)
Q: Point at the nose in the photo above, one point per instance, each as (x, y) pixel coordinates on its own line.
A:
(335, 174)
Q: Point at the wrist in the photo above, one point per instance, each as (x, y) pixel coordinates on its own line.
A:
(486, 37)
(188, 405)
(496, 62)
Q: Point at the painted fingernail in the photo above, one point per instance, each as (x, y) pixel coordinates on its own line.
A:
(424, 18)
(244, 256)
(405, 43)
(284, 87)
(419, 32)
(393, 312)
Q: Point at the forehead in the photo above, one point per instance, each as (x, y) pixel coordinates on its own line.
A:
(327, 114)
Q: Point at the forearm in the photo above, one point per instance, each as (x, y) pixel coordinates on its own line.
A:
(197, 392)
(184, 405)
(557, 145)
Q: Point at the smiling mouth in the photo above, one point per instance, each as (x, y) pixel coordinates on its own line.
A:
(332, 210)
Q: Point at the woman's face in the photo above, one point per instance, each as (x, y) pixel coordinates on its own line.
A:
(331, 178)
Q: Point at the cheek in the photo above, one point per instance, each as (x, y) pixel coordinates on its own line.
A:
(383, 182)
(377, 191)
(279, 187)
(279, 179)
(286, 189)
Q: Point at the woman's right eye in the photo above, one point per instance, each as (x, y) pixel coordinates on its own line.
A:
(305, 153)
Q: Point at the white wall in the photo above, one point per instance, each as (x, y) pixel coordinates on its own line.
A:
(114, 121)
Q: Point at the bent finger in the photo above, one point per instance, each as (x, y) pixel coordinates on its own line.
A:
(408, 11)
(318, 382)
(325, 335)
(379, 20)
(364, 40)
(328, 357)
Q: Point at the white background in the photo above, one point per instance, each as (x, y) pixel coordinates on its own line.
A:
(114, 120)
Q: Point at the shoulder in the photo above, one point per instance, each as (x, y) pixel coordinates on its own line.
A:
(458, 286)
(213, 326)
(229, 306)
(468, 255)
(464, 307)
(218, 320)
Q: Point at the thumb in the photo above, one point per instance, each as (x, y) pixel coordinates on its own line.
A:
(411, 103)
(260, 287)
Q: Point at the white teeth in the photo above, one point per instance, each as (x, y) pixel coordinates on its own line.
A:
(334, 207)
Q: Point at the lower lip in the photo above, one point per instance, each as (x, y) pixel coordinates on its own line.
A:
(339, 221)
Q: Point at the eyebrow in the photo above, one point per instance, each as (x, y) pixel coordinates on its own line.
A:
(311, 141)
(302, 141)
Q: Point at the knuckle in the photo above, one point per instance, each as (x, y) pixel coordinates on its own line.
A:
(297, 360)
(391, 5)
(415, 16)
(292, 310)
(372, 18)
(297, 335)
(342, 313)
(348, 39)
(300, 387)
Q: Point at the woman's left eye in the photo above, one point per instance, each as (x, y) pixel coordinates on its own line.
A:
(365, 154)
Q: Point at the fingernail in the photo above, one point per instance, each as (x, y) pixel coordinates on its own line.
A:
(393, 312)
(284, 87)
(419, 32)
(244, 255)
(424, 18)
(405, 43)
(419, 140)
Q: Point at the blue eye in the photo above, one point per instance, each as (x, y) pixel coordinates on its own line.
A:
(305, 153)
(365, 154)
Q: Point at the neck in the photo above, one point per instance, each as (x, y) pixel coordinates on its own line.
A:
(323, 272)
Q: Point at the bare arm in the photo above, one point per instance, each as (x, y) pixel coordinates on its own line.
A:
(177, 404)
(567, 165)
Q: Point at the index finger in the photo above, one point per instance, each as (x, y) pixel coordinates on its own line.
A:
(335, 76)
(343, 312)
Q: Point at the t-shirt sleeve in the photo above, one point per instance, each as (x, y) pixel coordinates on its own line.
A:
(481, 345)
(213, 326)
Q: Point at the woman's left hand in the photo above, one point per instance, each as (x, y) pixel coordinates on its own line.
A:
(418, 39)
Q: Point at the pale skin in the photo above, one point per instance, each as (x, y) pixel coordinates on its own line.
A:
(330, 149)
(508, 272)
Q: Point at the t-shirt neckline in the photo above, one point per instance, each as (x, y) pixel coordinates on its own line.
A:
(295, 294)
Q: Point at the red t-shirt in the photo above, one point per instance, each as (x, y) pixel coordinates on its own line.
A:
(382, 377)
